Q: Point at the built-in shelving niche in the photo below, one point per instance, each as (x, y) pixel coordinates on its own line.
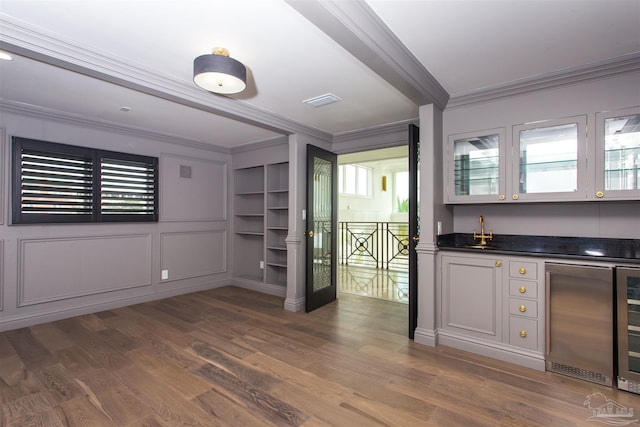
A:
(261, 216)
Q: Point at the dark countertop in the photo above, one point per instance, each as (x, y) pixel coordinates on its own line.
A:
(591, 248)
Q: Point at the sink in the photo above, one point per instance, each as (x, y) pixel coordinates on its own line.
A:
(478, 247)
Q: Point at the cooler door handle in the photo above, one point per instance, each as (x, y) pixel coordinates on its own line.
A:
(547, 301)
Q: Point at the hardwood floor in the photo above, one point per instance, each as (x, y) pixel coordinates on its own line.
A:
(232, 357)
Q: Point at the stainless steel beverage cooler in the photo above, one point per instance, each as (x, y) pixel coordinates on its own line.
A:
(580, 322)
(628, 289)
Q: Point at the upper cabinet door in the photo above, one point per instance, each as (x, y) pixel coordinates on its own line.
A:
(549, 160)
(618, 155)
(476, 167)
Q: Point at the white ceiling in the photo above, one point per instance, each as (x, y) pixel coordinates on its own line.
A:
(90, 58)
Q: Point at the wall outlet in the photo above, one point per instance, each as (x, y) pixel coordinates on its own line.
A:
(165, 274)
(261, 265)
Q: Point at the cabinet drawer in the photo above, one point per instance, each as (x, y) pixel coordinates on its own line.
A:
(523, 307)
(523, 270)
(523, 332)
(523, 288)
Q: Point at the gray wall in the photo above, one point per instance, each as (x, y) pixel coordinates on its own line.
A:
(54, 271)
(613, 219)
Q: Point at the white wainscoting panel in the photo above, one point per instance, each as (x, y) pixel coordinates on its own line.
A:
(61, 268)
(192, 189)
(192, 254)
(1, 275)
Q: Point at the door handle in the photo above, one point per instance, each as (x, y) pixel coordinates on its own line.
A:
(310, 233)
(547, 303)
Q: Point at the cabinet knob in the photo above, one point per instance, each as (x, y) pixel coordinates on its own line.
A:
(515, 197)
(498, 263)
(599, 194)
(522, 309)
(523, 334)
(522, 290)
(501, 197)
(310, 233)
(522, 270)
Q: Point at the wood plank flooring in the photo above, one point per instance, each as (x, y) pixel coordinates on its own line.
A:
(232, 357)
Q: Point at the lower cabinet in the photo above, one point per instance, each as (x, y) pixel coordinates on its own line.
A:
(472, 296)
(493, 305)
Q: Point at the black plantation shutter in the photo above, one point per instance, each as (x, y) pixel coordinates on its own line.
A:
(128, 187)
(53, 185)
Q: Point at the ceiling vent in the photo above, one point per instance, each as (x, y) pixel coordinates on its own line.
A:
(319, 101)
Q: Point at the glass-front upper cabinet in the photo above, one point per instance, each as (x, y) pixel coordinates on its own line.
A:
(550, 160)
(618, 154)
(476, 170)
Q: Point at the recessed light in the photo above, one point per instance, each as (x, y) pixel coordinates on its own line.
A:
(319, 101)
(4, 56)
(125, 109)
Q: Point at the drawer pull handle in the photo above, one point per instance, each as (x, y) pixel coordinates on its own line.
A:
(522, 289)
(498, 263)
(522, 309)
(523, 334)
(522, 270)
(599, 194)
(515, 197)
(501, 197)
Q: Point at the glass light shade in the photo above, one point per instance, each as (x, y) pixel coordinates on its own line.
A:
(219, 74)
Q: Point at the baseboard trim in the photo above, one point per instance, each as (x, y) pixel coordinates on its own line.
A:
(426, 337)
(494, 350)
(23, 321)
(265, 288)
(296, 304)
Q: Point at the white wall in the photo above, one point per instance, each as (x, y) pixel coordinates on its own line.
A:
(51, 271)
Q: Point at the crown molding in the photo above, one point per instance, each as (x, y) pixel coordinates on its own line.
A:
(385, 129)
(266, 143)
(615, 66)
(36, 43)
(55, 115)
(358, 29)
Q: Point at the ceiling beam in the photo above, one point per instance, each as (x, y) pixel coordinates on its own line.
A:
(359, 30)
(34, 43)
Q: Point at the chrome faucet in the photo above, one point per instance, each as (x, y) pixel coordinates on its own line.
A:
(483, 237)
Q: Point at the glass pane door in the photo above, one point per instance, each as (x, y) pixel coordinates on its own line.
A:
(622, 153)
(551, 161)
(476, 165)
(633, 326)
(322, 203)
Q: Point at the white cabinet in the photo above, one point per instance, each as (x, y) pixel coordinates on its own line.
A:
(493, 305)
(550, 160)
(524, 308)
(545, 161)
(618, 154)
(472, 296)
(477, 167)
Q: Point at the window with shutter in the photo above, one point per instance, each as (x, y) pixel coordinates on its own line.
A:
(55, 183)
(127, 189)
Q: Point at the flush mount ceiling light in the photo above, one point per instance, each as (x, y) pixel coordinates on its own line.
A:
(219, 73)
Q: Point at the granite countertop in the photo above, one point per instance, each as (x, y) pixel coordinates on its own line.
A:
(593, 248)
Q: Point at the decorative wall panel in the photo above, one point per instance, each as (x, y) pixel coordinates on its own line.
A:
(193, 254)
(57, 269)
(192, 189)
